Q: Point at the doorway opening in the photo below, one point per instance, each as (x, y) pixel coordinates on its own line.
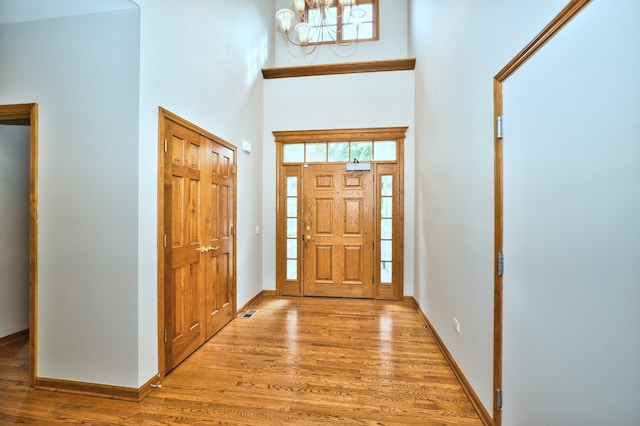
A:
(27, 115)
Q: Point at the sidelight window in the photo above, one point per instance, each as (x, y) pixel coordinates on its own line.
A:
(292, 227)
(386, 229)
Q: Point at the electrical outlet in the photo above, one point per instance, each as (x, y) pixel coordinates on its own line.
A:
(456, 325)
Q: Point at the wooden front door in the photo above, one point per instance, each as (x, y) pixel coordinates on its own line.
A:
(338, 229)
(340, 213)
(199, 271)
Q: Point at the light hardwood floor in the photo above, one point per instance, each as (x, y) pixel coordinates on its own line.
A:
(299, 361)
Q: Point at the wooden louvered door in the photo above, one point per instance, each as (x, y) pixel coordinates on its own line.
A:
(199, 271)
(338, 231)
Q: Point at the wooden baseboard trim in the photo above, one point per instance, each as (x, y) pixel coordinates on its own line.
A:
(98, 390)
(466, 386)
(255, 299)
(15, 337)
(146, 389)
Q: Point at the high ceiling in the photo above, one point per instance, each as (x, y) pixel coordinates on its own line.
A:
(13, 11)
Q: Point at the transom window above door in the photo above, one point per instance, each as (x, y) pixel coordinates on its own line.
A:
(339, 152)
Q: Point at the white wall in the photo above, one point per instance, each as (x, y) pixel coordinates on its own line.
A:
(84, 75)
(459, 47)
(13, 11)
(98, 258)
(14, 229)
(392, 43)
(572, 203)
(201, 62)
(366, 100)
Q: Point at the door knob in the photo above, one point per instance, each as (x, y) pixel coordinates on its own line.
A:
(203, 249)
(308, 237)
(213, 248)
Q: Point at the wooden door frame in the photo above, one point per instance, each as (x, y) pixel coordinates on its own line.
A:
(397, 134)
(162, 115)
(560, 21)
(27, 115)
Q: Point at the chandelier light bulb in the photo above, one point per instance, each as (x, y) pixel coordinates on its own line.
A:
(299, 6)
(318, 22)
(285, 19)
(303, 30)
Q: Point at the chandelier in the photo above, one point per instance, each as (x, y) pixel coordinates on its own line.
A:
(320, 21)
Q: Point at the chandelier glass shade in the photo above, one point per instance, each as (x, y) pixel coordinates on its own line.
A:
(312, 22)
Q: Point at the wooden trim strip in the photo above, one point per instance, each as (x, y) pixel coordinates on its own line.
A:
(17, 112)
(33, 241)
(565, 15)
(340, 68)
(256, 298)
(466, 386)
(146, 389)
(14, 337)
(95, 389)
(160, 243)
(497, 243)
(340, 135)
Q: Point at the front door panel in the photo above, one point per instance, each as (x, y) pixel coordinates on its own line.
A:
(338, 231)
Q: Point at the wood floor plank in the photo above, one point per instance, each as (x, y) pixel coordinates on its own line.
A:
(299, 361)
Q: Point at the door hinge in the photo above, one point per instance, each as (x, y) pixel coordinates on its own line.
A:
(233, 231)
(499, 399)
(165, 335)
(233, 170)
(499, 128)
(165, 145)
(500, 264)
(164, 241)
